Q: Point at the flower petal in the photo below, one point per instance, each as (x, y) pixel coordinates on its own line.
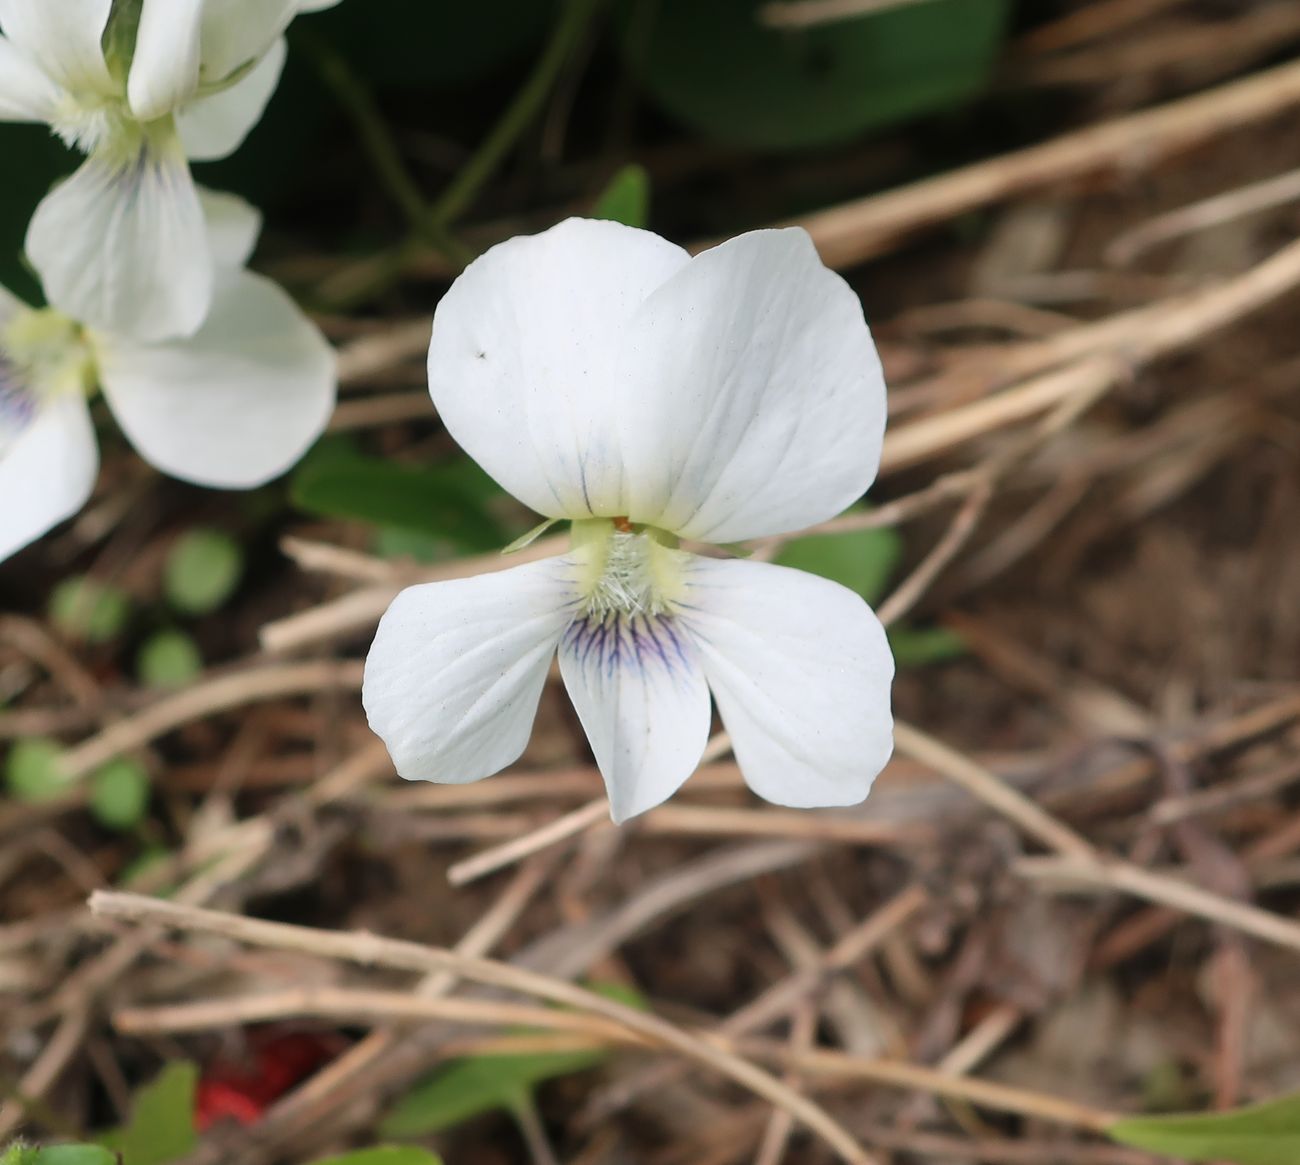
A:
(121, 247)
(801, 670)
(769, 404)
(48, 465)
(640, 692)
(216, 126)
(237, 32)
(63, 37)
(26, 92)
(165, 67)
(522, 366)
(233, 227)
(234, 405)
(456, 670)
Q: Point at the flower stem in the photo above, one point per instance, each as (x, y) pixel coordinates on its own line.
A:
(518, 116)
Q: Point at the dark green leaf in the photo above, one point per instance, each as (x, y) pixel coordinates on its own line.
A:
(161, 1128)
(915, 647)
(1264, 1134)
(714, 65)
(447, 501)
(203, 569)
(394, 1155)
(861, 561)
(119, 794)
(626, 199)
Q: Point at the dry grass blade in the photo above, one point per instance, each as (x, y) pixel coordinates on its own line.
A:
(369, 950)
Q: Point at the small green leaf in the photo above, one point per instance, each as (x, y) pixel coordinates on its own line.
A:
(168, 659)
(119, 794)
(394, 1155)
(1263, 1134)
(88, 611)
(918, 646)
(626, 199)
(862, 560)
(161, 1128)
(33, 770)
(202, 571)
(449, 501)
(58, 1155)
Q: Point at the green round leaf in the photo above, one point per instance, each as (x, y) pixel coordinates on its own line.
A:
(33, 770)
(119, 794)
(202, 571)
(715, 66)
(168, 659)
(88, 611)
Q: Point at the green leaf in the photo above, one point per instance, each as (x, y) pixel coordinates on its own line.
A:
(88, 611)
(715, 66)
(1263, 1134)
(119, 794)
(33, 771)
(447, 501)
(202, 571)
(168, 659)
(394, 1155)
(161, 1128)
(918, 646)
(626, 199)
(862, 560)
(58, 1155)
(470, 1088)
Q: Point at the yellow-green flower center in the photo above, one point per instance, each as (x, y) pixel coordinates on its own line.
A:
(626, 569)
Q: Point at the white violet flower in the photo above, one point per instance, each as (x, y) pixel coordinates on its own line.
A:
(604, 376)
(232, 406)
(140, 86)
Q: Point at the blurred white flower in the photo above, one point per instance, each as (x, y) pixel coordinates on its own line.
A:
(603, 376)
(140, 86)
(232, 406)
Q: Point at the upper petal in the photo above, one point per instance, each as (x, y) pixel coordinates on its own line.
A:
(456, 670)
(122, 247)
(237, 32)
(801, 671)
(234, 405)
(64, 38)
(524, 358)
(48, 464)
(165, 67)
(26, 91)
(640, 692)
(760, 393)
(215, 126)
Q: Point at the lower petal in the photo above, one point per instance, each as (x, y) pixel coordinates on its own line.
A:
(48, 464)
(640, 692)
(121, 246)
(234, 405)
(801, 671)
(456, 670)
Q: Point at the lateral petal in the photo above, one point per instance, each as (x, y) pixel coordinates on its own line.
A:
(456, 670)
(234, 405)
(801, 671)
